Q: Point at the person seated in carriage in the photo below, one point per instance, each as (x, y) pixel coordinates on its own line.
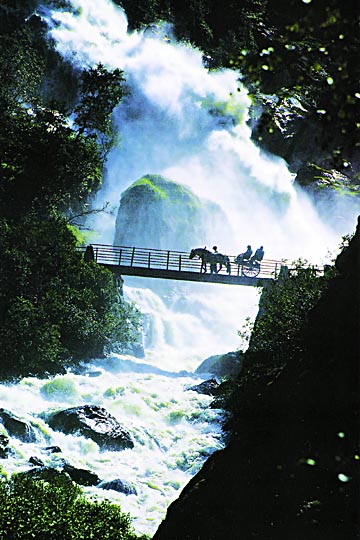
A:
(246, 256)
(258, 255)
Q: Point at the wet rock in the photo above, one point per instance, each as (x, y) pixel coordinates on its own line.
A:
(146, 215)
(122, 486)
(36, 461)
(222, 365)
(53, 449)
(83, 477)
(49, 474)
(4, 447)
(94, 374)
(16, 427)
(95, 423)
(207, 387)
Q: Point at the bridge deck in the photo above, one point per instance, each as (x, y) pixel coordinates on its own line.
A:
(163, 264)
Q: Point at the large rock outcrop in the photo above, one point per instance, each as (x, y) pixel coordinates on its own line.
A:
(155, 212)
(95, 423)
(292, 469)
(222, 365)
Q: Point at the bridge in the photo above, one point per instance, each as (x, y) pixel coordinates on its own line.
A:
(165, 264)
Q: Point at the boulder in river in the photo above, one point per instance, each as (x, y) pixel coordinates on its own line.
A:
(208, 388)
(222, 365)
(4, 446)
(16, 427)
(83, 477)
(122, 486)
(93, 422)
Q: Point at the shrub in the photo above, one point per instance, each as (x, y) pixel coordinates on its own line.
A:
(37, 510)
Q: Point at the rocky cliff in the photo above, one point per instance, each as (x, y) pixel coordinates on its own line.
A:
(155, 212)
(291, 471)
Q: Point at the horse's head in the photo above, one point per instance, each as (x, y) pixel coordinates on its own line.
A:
(192, 254)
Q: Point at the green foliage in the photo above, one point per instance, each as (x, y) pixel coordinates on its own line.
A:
(44, 167)
(38, 510)
(100, 92)
(153, 188)
(284, 51)
(21, 70)
(46, 164)
(54, 307)
(283, 310)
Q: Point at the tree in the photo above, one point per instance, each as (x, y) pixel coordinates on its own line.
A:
(55, 309)
(100, 92)
(283, 310)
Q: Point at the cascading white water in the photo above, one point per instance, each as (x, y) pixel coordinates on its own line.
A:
(189, 125)
(174, 431)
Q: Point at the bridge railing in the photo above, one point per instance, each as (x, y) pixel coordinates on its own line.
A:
(179, 261)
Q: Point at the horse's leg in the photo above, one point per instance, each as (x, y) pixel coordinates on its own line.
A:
(220, 267)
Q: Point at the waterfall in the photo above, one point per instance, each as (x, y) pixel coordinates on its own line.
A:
(190, 125)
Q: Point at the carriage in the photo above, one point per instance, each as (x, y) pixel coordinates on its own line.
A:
(245, 267)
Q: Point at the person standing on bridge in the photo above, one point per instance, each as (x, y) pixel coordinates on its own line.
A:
(213, 265)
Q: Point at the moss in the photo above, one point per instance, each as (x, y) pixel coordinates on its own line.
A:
(146, 181)
(59, 388)
(231, 109)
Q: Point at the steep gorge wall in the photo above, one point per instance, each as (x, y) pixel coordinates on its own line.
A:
(292, 469)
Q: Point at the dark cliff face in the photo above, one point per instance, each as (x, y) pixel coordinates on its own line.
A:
(292, 472)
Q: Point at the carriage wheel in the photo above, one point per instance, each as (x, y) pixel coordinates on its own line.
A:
(250, 271)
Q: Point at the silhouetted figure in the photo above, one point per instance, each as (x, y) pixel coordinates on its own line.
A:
(89, 254)
(243, 256)
(247, 255)
(258, 255)
(213, 265)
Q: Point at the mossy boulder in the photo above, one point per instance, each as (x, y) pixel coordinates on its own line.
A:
(156, 212)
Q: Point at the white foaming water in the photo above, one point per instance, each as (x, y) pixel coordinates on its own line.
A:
(189, 124)
(200, 322)
(174, 431)
(179, 121)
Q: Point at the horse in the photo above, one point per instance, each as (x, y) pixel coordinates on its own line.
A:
(223, 260)
(206, 256)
